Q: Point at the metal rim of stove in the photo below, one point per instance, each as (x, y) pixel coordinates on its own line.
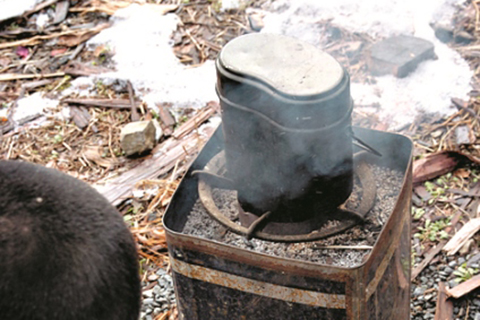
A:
(212, 176)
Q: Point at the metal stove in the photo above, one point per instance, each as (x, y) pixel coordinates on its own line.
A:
(287, 146)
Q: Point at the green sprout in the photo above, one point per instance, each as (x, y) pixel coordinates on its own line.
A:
(433, 231)
(464, 273)
(417, 213)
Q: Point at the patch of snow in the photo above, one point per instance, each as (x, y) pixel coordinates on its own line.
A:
(230, 4)
(141, 39)
(15, 8)
(32, 107)
(428, 89)
(42, 20)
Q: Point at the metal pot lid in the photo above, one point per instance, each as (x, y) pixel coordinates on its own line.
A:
(288, 65)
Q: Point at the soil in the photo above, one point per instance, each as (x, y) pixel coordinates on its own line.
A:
(202, 225)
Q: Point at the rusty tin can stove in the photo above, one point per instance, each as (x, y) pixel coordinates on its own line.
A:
(214, 280)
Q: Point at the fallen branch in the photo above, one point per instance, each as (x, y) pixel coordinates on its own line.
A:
(117, 189)
(444, 309)
(465, 287)
(462, 236)
(106, 103)
(16, 76)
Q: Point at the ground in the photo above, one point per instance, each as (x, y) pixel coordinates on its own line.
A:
(86, 143)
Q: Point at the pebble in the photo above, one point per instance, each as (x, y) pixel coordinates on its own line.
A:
(418, 291)
(160, 298)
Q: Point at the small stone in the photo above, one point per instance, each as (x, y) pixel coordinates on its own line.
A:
(428, 297)
(157, 290)
(418, 291)
(153, 277)
(148, 293)
(463, 37)
(476, 302)
(452, 264)
(477, 316)
(464, 135)
(399, 55)
(461, 260)
(443, 33)
(452, 283)
(161, 272)
(137, 137)
(448, 271)
(256, 21)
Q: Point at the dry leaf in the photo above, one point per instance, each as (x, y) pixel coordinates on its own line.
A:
(93, 153)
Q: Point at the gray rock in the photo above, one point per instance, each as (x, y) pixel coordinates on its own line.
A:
(137, 137)
(399, 55)
(418, 291)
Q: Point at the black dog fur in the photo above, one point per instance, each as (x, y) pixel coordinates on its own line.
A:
(65, 252)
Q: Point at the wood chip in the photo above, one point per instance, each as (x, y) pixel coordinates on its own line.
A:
(439, 163)
(465, 287)
(444, 309)
(61, 10)
(167, 122)
(462, 236)
(94, 153)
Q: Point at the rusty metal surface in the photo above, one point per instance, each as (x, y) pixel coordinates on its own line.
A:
(202, 295)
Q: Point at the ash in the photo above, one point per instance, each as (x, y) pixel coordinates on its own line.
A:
(199, 223)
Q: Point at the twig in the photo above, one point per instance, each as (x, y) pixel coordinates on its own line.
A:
(106, 103)
(16, 76)
(135, 115)
(462, 105)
